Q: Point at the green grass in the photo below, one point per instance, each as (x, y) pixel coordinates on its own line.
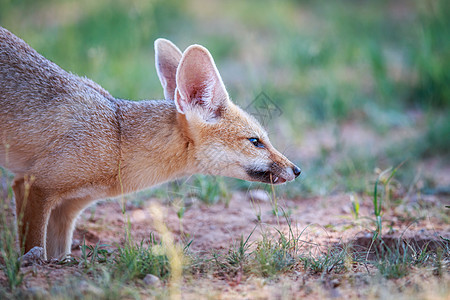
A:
(333, 260)
(380, 197)
(9, 255)
(210, 190)
(10, 264)
(399, 260)
(273, 256)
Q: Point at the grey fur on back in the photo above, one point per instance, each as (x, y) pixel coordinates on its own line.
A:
(46, 109)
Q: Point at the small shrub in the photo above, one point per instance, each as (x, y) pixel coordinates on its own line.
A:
(137, 260)
(334, 259)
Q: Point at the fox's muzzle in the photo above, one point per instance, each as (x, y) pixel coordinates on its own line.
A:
(274, 174)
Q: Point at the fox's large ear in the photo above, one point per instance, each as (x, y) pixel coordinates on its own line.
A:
(167, 58)
(199, 85)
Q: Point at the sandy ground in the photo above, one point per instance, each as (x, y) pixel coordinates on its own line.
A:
(320, 221)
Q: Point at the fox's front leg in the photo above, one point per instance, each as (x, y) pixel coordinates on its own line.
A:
(33, 211)
(61, 226)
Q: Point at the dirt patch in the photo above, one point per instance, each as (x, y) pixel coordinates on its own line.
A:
(321, 221)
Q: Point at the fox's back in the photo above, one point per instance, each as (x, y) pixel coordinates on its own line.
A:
(48, 114)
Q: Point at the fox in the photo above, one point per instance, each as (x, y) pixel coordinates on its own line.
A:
(69, 143)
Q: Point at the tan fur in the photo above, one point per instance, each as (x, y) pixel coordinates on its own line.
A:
(69, 142)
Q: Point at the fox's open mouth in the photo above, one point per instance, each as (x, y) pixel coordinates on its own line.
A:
(265, 176)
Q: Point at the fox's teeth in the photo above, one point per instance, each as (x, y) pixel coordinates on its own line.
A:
(275, 179)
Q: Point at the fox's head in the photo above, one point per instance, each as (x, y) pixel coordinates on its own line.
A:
(225, 139)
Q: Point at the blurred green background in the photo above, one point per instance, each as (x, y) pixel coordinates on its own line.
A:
(381, 66)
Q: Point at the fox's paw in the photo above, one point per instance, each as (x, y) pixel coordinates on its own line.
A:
(34, 256)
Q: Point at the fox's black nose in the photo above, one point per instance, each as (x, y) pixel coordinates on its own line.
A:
(296, 170)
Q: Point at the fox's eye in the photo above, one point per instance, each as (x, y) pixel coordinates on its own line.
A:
(256, 142)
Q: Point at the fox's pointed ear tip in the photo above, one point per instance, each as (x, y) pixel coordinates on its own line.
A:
(166, 45)
(197, 49)
(160, 41)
